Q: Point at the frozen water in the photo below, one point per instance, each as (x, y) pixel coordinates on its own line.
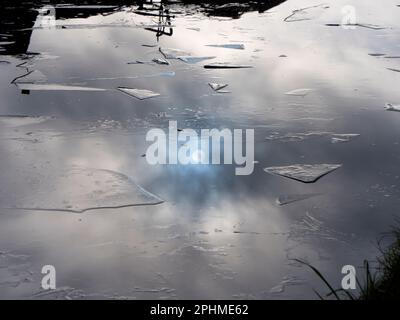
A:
(307, 173)
(299, 92)
(21, 120)
(217, 86)
(161, 61)
(346, 137)
(290, 198)
(391, 107)
(54, 87)
(227, 46)
(82, 189)
(170, 53)
(361, 25)
(31, 77)
(291, 137)
(297, 136)
(308, 13)
(286, 281)
(193, 60)
(14, 269)
(140, 94)
(312, 227)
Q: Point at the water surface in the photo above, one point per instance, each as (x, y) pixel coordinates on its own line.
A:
(215, 235)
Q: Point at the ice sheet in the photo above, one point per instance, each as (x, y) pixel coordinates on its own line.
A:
(217, 86)
(193, 60)
(228, 46)
(391, 107)
(21, 120)
(299, 92)
(290, 198)
(54, 87)
(307, 173)
(140, 94)
(170, 53)
(81, 189)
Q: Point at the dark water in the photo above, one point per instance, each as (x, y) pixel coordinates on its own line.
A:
(216, 235)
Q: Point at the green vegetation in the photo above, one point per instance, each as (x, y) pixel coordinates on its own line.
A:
(381, 283)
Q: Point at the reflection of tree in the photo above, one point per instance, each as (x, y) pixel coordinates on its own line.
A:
(233, 9)
(16, 22)
(17, 18)
(164, 22)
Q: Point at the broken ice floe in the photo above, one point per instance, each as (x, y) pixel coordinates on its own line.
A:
(82, 189)
(361, 25)
(140, 94)
(391, 107)
(217, 87)
(306, 173)
(293, 137)
(54, 87)
(228, 46)
(170, 53)
(393, 69)
(307, 13)
(299, 92)
(225, 65)
(345, 137)
(311, 227)
(383, 55)
(193, 60)
(161, 61)
(290, 198)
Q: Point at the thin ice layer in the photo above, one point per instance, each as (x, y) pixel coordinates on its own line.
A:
(81, 189)
(140, 94)
(307, 13)
(193, 60)
(290, 198)
(391, 107)
(170, 53)
(228, 46)
(217, 86)
(21, 120)
(299, 92)
(54, 87)
(307, 173)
